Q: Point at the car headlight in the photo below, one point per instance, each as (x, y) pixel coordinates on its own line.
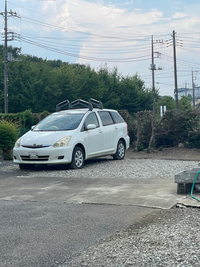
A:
(62, 142)
(18, 142)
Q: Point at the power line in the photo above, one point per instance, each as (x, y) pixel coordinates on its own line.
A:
(91, 49)
(130, 38)
(135, 59)
(68, 43)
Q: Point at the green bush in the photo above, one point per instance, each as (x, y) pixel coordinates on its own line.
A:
(27, 118)
(23, 130)
(8, 137)
(176, 126)
(35, 119)
(193, 140)
(140, 147)
(130, 120)
(44, 114)
(144, 121)
(9, 117)
(148, 150)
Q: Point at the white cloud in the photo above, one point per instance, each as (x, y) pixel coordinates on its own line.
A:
(117, 20)
(111, 20)
(100, 17)
(178, 15)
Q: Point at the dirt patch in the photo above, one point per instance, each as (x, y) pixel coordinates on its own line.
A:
(173, 153)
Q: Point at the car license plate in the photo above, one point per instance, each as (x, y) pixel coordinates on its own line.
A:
(33, 155)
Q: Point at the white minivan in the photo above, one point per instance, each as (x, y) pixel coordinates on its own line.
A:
(72, 136)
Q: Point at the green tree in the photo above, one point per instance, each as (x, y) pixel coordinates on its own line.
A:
(38, 84)
(185, 103)
(167, 101)
(190, 97)
(134, 96)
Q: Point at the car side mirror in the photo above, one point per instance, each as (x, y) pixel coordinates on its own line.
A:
(32, 127)
(91, 126)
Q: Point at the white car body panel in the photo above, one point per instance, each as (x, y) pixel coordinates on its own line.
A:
(48, 138)
(94, 141)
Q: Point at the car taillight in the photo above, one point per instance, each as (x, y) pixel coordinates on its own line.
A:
(127, 128)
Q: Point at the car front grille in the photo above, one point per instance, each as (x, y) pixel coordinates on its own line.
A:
(39, 158)
(36, 146)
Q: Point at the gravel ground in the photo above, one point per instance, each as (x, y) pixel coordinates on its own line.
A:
(109, 168)
(171, 238)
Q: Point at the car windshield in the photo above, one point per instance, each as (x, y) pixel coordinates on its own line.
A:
(59, 122)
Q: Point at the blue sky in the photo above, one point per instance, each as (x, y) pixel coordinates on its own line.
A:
(115, 33)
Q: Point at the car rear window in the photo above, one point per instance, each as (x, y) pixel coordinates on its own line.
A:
(105, 118)
(116, 117)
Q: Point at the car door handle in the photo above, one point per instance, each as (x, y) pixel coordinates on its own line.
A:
(116, 127)
(100, 131)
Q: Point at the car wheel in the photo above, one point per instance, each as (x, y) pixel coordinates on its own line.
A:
(77, 158)
(26, 166)
(120, 153)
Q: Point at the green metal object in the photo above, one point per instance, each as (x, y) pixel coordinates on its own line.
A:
(193, 186)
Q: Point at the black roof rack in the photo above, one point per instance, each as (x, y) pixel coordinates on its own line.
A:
(61, 104)
(95, 102)
(80, 103)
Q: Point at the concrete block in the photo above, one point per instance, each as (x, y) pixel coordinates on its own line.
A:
(184, 188)
(187, 176)
(185, 180)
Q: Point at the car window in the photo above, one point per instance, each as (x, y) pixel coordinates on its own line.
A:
(91, 119)
(59, 122)
(116, 117)
(105, 118)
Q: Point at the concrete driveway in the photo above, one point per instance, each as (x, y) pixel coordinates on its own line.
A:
(153, 193)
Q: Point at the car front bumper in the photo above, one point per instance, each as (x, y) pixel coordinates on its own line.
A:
(47, 155)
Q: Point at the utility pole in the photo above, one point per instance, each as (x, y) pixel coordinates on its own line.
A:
(6, 14)
(193, 100)
(153, 68)
(5, 60)
(193, 87)
(153, 79)
(175, 72)
(186, 87)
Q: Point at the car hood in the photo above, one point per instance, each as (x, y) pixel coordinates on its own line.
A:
(45, 138)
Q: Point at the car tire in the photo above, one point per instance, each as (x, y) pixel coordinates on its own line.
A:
(26, 166)
(77, 158)
(120, 153)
